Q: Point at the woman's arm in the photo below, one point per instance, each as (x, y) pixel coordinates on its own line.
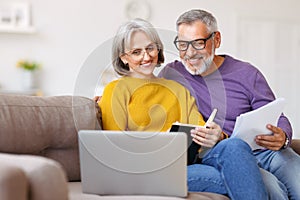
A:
(113, 108)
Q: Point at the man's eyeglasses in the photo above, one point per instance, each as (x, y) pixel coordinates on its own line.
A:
(198, 44)
(138, 54)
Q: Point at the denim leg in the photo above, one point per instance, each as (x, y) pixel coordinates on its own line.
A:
(285, 165)
(276, 190)
(238, 169)
(204, 178)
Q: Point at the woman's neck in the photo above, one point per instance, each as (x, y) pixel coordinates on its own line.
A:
(140, 76)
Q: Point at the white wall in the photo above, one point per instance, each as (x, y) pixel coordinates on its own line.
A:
(69, 30)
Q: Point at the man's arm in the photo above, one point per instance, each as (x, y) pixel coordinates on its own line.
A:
(282, 132)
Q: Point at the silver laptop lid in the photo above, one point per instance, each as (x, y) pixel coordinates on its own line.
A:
(133, 163)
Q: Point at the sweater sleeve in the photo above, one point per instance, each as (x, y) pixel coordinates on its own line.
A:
(113, 108)
(262, 94)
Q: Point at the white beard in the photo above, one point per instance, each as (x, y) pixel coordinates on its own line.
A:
(193, 72)
(199, 69)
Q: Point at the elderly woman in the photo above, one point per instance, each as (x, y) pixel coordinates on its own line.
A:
(140, 101)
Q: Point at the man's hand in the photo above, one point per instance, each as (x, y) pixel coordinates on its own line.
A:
(273, 142)
(97, 98)
(207, 137)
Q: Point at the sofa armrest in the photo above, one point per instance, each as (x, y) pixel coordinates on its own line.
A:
(46, 178)
(296, 145)
(13, 182)
(47, 126)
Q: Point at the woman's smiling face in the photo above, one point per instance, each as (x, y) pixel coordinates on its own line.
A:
(141, 56)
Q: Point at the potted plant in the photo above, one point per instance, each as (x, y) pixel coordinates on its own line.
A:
(28, 73)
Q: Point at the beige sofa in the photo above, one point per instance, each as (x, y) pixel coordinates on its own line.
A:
(39, 149)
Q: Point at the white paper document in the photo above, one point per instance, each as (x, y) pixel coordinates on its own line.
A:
(253, 123)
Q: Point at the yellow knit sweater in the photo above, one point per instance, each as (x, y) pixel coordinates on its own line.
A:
(134, 104)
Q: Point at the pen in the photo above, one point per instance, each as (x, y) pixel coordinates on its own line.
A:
(211, 117)
(203, 150)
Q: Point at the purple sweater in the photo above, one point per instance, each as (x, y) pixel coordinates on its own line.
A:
(235, 88)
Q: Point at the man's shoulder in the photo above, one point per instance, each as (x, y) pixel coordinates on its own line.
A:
(171, 69)
(239, 61)
(239, 64)
(175, 65)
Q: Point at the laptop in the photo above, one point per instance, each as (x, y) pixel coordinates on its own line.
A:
(133, 163)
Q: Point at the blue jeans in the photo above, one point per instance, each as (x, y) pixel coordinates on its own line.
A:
(229, 168)
(285, 168)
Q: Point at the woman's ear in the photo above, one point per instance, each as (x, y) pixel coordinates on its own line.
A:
(124, 60)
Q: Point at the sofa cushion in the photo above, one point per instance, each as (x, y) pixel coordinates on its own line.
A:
(296, 145)
(46, 126)
(75, 193)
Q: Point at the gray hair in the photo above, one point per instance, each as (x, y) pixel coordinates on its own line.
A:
(122, 41)
(205, 17)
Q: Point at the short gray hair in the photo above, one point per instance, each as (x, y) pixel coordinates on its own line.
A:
(123, 38)
(205, 17)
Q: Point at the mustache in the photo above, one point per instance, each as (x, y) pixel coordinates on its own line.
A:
(197, 56)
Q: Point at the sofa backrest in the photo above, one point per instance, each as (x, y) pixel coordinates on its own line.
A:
(47, 126)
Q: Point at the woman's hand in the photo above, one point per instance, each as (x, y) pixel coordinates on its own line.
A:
(207, 137)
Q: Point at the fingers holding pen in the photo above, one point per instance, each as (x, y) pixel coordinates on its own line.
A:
(207, 136)
(198, 136)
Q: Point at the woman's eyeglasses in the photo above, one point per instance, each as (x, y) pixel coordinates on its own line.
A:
(138, 54)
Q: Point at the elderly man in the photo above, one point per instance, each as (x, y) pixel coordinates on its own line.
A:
(234, 87)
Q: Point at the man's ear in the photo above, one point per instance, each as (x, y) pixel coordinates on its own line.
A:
(217, 39)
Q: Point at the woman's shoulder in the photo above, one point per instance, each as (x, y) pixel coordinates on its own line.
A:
(172, 82)
(112, 84)
(128, 82)
(122, 84)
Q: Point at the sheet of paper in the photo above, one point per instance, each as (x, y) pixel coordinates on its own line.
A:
(253, 123)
